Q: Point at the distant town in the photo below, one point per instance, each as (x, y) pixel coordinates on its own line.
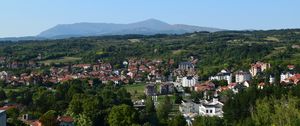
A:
(157, 77)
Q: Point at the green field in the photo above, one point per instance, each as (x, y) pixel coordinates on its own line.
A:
(61, 60)
(135, 90)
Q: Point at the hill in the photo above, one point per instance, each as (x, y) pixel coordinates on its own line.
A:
(147, 27)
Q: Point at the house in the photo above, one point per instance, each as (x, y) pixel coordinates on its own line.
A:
(2, 118)
(35, 123)
(246, 83)
(188, 107)
(242, 76)
(223, 75)
(166, 88)
(65, 121)
(3, 75)
(295, 79)
(211, 108)
(84, 66)
(186, 66)
(96, 67)
(272, 79)
(150, 90)
(258, 67)
(284, 77)
(291, 67)
(189, 81)
(261, 85)
(208, 85)
(2, 60)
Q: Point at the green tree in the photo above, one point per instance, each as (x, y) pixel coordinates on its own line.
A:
(122, 115)
(208, 121)
(2, 95)
(13, 113)
(83, 120)
(164, 109)
(278, 112)
(49, 118)
(151, 112)
(75, 106)
(178, 120)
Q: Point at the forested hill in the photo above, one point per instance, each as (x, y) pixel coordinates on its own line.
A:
(228, 49)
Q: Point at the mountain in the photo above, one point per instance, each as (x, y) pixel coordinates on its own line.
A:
(147, 27)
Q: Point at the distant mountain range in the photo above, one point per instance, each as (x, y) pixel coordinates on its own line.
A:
(147, 27)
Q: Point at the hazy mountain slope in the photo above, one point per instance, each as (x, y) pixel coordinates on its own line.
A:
(147, 27)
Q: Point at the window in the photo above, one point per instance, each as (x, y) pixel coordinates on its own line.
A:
(210, 111)
(206, 111)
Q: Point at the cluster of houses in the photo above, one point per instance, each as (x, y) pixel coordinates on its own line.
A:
(137, 70)
(236, 81)
(27, 118)
(182, 78)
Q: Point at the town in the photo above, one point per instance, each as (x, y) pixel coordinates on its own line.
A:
(149, 78)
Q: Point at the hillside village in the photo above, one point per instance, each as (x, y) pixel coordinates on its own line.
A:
(158, 77)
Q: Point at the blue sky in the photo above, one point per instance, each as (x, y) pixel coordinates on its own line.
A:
(29, 17)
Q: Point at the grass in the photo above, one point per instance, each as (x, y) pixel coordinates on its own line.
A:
(134, 40)
(275, 52)
(274, 39)
(178, 52)
(61, 60)
(99, 52)
(135, 90)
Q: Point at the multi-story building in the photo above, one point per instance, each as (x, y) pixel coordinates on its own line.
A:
(223, 75)
(189, 81)
(258, 67)
(241, 77)
(211, 108)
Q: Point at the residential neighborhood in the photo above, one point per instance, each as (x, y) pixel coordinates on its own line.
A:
(180, 80)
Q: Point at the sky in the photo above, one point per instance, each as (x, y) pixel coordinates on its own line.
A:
(30, 17)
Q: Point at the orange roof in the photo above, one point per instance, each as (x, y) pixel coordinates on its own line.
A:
(8, 107)
(67, 119)
(261, 84)
(36, 123)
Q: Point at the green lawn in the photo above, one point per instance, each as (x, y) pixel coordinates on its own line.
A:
(61, 60)
(135, 90)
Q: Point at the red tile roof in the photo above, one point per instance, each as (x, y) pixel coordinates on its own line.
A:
(67, 119)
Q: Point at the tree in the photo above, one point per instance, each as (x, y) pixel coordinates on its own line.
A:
(49, 118)
(75, 106)
(13, 113)
(83, 120)
(151, 112)
(278, 112)
(92, 108)
(178, 120)
(208, 121)
(2, 95)
(122, 115)
(178, 98)
(164, 109)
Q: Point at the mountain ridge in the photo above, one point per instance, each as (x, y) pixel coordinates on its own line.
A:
(146, 27)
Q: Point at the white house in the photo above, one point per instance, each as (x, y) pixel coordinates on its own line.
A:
(3, 75)
(241, 77)
(246, 83)
(272, 79)
(188, 107)
(223, 75)
(284, 77)
(189, 81)
(211, 108)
